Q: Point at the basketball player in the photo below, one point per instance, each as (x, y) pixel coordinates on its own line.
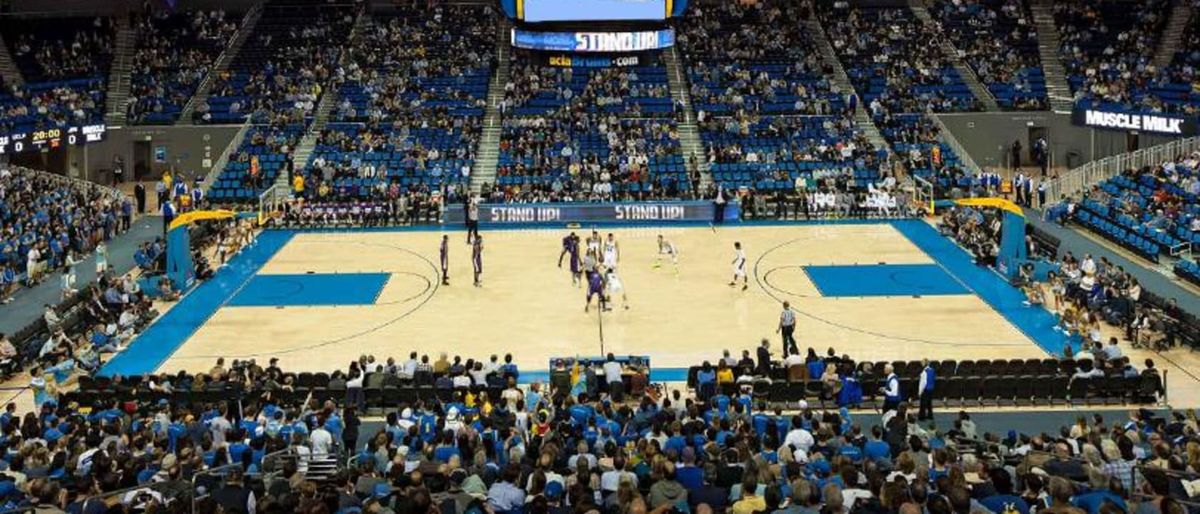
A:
(444, 253)
(477, 258)
(614, 286)
(666, 248)
(571, 248)
(567, 243)
(612, 252)
(739, 266)
(593, 246)
(595, 288)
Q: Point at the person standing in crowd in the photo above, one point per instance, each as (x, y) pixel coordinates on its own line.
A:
(764, 358)
(890, 389)
(787, 327)
(719, 204)
(925, 389)
(168, 213)
(139, 194)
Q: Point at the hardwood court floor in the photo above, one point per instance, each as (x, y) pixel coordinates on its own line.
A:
(529, 307)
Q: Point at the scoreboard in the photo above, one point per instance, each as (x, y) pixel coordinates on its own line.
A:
(538, 11)
(51, 138)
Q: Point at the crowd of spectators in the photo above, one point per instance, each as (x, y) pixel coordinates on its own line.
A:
(774, 128)
(173, 53)
(488, 445)
(588, 134)
(411, 98)
(1108, 50)
(999, 42)
(1175, 87)
(65, 63)
(49, 222)
(895, 63)
(61, 49)
(282, 70)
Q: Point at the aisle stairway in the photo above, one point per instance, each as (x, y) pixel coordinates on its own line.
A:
(8, 67)
(120, 75)
(1172, 36)
(487, 154)
(689, 132)
(1056, 76)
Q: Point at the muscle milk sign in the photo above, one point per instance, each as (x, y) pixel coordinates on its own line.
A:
(1141, 122)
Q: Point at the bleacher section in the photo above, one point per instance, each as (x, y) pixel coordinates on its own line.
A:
(65, 63)
(52, 104)
(1108, 51)
(751, 59)
(410, 106)
(285, 66)
(57, 49)
(999, 43)
(174, 52)
(889, 62)
(771, 153)
(271, 147)
(768, 112)
(914, 138)
(589, 133)
(1132, 211)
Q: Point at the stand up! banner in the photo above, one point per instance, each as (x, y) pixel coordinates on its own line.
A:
(593, 212)
(1150, 123)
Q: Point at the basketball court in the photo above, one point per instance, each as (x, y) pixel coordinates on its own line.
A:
(316, 300)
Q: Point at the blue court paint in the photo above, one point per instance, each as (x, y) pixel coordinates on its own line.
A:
(156, 344)
(884, 280)
(316, 289)
(1035, 322)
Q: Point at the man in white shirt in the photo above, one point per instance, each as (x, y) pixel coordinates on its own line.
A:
(320, 439)
(798, 437)
(611, 480)
(612, 374)
(410, 366)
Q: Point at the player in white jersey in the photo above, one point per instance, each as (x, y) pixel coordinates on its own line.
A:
(612, 252)
(666, 248)
(593, 245)
(739, 266)
(614, 286)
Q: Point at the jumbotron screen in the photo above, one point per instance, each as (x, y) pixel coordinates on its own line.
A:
(593, 10)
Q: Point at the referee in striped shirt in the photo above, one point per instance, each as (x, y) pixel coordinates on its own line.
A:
(787, 326)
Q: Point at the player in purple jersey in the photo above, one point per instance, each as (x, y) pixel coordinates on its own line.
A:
(595, 288)
(477, 258)
(567, 242)
(444, 253)
(571, 247)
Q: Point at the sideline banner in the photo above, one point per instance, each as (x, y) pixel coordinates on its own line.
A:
(597, 212)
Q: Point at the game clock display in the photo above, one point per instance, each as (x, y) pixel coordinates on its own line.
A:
(50, 138)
